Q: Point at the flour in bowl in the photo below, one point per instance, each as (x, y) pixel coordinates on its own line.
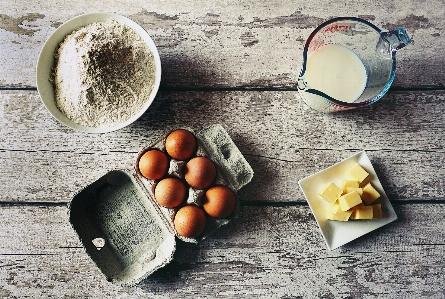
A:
(103, 74)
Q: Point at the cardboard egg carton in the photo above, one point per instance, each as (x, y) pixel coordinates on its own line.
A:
(126, 232)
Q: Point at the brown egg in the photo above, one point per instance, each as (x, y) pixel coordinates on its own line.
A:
(170, 192)
(153, 164)
(200, 172)
(180, 144)
(190, 221)
(219, 202)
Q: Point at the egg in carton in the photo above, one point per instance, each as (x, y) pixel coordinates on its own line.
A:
(125, 230)
(231, 172)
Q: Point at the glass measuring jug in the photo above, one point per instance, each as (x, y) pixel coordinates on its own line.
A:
(372, 50)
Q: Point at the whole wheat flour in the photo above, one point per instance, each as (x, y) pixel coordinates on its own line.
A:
(103, 74)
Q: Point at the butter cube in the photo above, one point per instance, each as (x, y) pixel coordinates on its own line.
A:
(335, 209)
(332, 208)
(377, 211)
(354, 209)
(345, 184)
(357, 172)
(330, 192)
(349, 200)
(362, 212)
(369, 194)
(358, 190)
(331, 216)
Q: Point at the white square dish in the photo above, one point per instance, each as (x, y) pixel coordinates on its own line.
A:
(338, 233)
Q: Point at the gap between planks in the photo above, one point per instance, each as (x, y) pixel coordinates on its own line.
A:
(242, 88)
(414, 201)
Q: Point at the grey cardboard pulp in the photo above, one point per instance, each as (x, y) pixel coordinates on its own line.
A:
(126, 232)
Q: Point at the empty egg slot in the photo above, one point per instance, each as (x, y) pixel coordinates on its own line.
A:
(126, 232)
(225, 151)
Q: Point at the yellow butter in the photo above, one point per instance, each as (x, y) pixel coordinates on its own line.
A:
(335, 209)
(358, 190)
(353, 200)
(331, 216)
(345, 184)
(362, 212)
(377, 211)
(369, 194)
(357, 172)
(349, 200)
(330, 192)
(354, 209)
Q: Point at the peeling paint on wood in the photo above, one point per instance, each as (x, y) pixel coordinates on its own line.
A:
(282, 139)
(19, 25)
(236, 44)
(234, 63)
(266, 252)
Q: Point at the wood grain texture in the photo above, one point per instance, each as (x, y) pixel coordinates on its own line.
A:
(235, 63)
(267, 252)
(261, 122)
(281, 138)
(58, 176)
(231, 44)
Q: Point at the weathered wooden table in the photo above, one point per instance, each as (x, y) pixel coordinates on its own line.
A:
(234, 63)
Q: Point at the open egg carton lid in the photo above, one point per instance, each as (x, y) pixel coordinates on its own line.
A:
(126, 232)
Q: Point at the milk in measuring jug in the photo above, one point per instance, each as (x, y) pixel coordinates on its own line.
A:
(336, 71)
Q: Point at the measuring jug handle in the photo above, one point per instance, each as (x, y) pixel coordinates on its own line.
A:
(392, 41)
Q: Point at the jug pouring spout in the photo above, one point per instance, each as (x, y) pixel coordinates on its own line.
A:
(392, 41)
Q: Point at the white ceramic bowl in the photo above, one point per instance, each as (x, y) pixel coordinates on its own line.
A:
(338, 233)
(46, 62)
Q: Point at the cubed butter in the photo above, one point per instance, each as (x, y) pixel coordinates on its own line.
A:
(331, 216)
(369, 194)
(358, 190)
(345, 184)
(335, 209)
(377, 211)
(357, 172)
(330, 192)
(362, 212)
(349, 200)
(354, 209)
(353, 200)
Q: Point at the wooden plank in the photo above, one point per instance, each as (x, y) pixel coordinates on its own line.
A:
(268, 123)
(230, 44)
(58, 176)
(282, 139)
(270, 252)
